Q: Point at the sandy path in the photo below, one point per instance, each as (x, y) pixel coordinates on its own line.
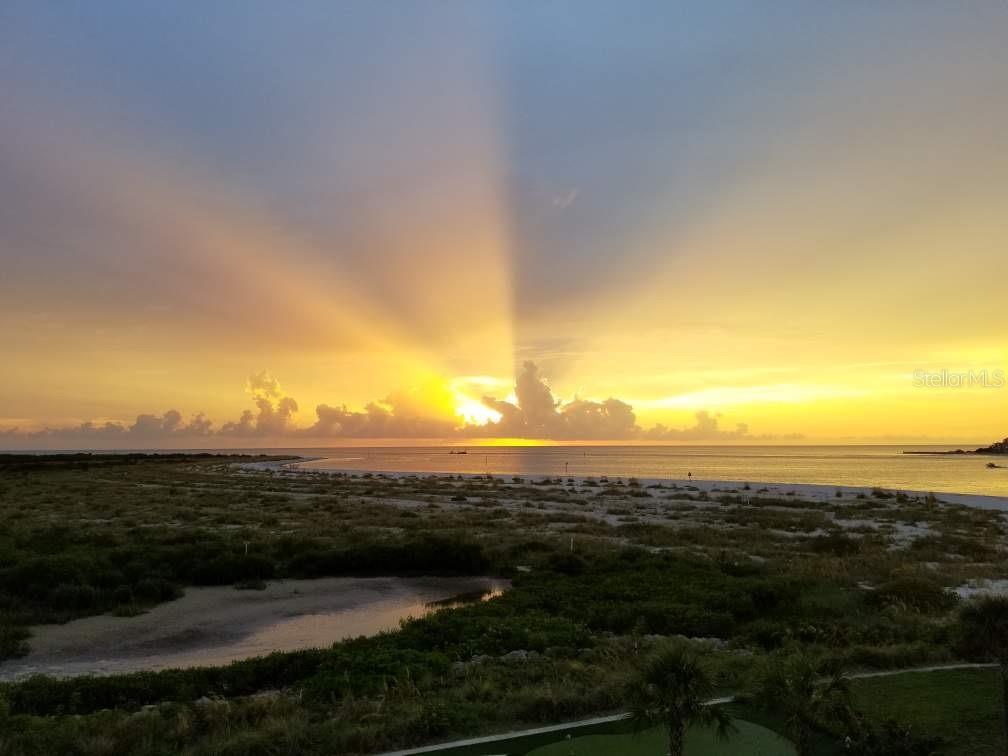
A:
(210, 626)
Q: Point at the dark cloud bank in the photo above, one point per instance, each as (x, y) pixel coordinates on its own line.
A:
(536, 414)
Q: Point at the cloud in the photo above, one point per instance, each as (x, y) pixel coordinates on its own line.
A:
(376, 421)
(169, 424)
(146, 428)
(533, 413)
(276, 410)
(263, 384)
(84, 431)
(536, 413)
(705, 429)
(563, 201)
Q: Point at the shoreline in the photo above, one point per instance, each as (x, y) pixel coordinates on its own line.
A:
(958, 453)
(821, 492)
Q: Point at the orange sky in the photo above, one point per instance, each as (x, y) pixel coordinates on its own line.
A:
(770, 219)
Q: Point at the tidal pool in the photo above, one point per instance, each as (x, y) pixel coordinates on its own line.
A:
(218, 625)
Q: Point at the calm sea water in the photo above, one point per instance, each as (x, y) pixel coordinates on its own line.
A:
(884, 466)
(851, 465)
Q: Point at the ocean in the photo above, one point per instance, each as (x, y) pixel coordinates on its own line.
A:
(883, 466)
(849, 465)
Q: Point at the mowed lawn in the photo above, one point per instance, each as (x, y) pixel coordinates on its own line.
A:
(961, 706)
(748, 740)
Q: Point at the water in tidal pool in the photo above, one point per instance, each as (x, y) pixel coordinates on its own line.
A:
(218, 625)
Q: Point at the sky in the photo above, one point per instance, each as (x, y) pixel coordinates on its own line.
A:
(258, 223)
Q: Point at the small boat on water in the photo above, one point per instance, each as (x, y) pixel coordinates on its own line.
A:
(453, 451)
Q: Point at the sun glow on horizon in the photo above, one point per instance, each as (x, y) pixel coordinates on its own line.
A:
(475, 412)
(468, 392)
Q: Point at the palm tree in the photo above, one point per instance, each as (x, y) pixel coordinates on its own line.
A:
(804, 694)
(983, 634)
(671, 690)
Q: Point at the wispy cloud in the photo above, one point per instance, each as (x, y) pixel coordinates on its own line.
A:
(723, 396)
(563, 201)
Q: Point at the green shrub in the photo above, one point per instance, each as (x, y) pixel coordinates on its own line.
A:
(913, 592)
(836, 543)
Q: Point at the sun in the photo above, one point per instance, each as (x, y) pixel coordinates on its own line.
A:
(475, 412)
(472, 410)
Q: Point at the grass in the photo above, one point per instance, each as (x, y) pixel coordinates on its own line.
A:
(961, 706)
(749, 740)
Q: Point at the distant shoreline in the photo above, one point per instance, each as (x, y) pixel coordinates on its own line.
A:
(997, 449)
(959, 452)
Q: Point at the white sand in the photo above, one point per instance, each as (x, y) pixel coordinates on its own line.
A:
(981, 588)
(804, 491)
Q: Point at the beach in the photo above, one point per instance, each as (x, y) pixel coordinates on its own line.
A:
(755, 489)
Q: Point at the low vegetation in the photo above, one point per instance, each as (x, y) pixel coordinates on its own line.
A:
(603, 573)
